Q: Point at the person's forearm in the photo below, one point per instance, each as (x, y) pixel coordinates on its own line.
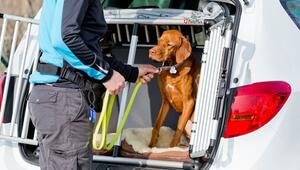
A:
(130, 73)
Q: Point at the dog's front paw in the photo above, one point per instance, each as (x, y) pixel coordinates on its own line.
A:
(152, 144)
(176, 138)
(154, 138)
(174, 144)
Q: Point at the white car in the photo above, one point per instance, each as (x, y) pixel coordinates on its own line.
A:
(246, 114)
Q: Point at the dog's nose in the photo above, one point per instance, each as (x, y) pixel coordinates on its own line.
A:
(151, 52)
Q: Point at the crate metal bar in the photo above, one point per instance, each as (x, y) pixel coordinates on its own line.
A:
(147, 33)
(193, 34)
(199, 93)
(150, 21)
(157, 32)
(179, 28)
(127, 33)
(209, 93)
(9, 69)
(204, 83)
(119, 33)
(215, 69)
(19, 140)
(14, 40)
(131, 57)
(205, 109)
(140, 162)
(152, 45)
(139, 45)
(203, 112)
(205, 126)
(20, 80)
(228, 38)
(114, 38)
(35, 135)
(4, 27)
(21, 19)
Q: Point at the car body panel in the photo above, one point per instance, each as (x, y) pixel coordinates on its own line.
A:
(267, 50)
(10, 155)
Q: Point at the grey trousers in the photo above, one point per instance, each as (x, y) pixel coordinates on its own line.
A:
(61, 118)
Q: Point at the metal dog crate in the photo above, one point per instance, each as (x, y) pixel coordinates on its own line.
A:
(25, 55)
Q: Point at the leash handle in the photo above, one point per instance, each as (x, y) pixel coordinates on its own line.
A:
(101, 121)
(104, 118)
(125, 116)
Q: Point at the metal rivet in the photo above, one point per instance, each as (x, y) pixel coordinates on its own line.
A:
(236, 80)
(26, 71)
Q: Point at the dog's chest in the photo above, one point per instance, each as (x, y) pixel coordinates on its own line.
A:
(174, 96)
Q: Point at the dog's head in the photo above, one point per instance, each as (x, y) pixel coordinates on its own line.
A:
(171, 45)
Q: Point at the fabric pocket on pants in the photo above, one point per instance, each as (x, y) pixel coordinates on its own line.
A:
(62, 160)
(78, 109)
(75, 105)
(43, 107)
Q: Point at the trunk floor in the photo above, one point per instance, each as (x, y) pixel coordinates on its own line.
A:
(135, 144)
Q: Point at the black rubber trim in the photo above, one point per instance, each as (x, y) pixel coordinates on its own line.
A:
(9, 102)
(116, 151)
(27, 151)
(191, 166)
(1, 15)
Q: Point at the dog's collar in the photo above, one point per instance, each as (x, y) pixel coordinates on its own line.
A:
(172, 69)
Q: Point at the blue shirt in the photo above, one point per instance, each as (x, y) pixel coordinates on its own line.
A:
(70, 30)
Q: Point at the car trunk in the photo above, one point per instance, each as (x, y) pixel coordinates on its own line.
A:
(209, 31)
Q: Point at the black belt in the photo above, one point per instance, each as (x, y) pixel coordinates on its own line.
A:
(66, 72)
(93, 91)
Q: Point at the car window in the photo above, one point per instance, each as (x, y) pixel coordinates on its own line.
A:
(177, 4)
(150, 3)
(293, 9)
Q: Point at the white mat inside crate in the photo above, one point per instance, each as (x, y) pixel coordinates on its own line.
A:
(139, 138)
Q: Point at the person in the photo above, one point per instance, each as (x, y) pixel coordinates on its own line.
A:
(71, 60)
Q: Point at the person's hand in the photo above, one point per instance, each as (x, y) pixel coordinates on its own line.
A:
(115, 84)
(146, 72)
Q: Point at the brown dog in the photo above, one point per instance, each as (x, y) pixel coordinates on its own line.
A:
(177, 83)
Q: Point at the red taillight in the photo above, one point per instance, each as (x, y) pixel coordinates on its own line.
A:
(255, 105)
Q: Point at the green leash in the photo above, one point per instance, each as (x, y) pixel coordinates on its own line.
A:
(104, 118)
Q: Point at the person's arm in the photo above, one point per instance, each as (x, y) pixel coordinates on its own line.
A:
(130, 73)
(77, 52)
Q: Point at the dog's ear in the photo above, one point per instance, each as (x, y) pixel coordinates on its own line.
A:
(184, 51)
